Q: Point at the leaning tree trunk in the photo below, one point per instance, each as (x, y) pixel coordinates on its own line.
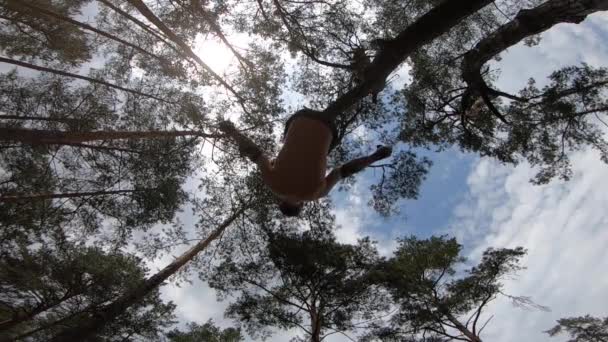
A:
(462, 328)
(121, 304)
(40, 197)
(48, 325)
(525, 24)
(21, 317)
(46, 137)
(436, 22)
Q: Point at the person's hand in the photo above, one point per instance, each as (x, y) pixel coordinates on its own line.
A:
(249, 151)
(382, 152)
(226, 126)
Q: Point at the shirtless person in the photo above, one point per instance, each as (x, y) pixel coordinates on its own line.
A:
(297, 174)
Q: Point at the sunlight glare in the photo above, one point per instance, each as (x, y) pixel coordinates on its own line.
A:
(214, 53)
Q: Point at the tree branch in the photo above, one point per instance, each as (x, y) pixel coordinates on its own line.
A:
(89, 28)
(88, 79)
(436, 22)
(525, 24)
(46, 137)
(150, 16)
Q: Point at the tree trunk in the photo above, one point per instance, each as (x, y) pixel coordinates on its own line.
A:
(23, 317)
(436, 22)
(137, 22)
(120, 305)
(525, 24)
(48, 325)
(315, 325)
(185, 49)
(46, 137)
(39, 197)
(462, 328)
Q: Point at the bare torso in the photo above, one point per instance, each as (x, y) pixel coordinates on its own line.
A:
(299, 170)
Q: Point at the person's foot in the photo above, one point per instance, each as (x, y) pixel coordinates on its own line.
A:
(382, 152)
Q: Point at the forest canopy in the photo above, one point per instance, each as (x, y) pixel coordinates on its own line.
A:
(110, 136)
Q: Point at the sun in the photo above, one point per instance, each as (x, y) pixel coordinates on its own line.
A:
(214, 53)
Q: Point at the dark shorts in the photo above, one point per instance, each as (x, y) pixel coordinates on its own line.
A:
(319, 116)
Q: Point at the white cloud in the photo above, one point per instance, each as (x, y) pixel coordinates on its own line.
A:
(196, 303)
(356, 220)
(562, 45)
(564, 226)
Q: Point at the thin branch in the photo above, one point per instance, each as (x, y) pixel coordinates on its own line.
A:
(281, 299)
(484, 325)
(45, 196)
(85, 78)
(495, 92)
(40, 118)
(479, 310)
(103, 148)
(48, 137)
(490, 105)
(90, 28)
(337, 332)
(138, 22)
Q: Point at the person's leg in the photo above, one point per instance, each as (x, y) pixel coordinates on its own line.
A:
(357, 165)
(352, 167)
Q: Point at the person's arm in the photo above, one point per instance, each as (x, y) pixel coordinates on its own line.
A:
(354, 166)
(248, 148)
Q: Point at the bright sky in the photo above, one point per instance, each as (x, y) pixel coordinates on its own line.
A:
(485, 204)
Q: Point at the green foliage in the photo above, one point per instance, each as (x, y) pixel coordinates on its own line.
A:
(49, 289)
(542, 126)
(302, 280)
(403, 180)
(25, 32)
(207, 332)
(581, 329)
(563, 117)
(433, 292)
(151, 167)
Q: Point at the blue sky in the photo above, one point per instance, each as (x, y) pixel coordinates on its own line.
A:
(485, 204)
